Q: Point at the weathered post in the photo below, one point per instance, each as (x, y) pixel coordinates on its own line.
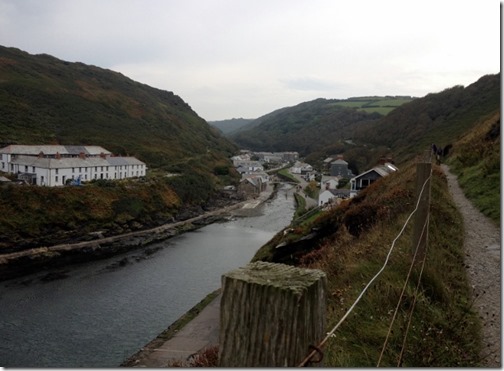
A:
(420, 228)
(270, 315)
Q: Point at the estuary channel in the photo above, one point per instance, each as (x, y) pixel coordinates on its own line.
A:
(99, 313)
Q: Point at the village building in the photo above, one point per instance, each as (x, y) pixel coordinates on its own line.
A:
(301, 168)
(277, 157)
(329, 196)
(249, 167)
(329, 182)
(252, 185)
(363, 180)
(340, 168)
(56, 165)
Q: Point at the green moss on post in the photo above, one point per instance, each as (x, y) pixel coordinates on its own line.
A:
(270, 315)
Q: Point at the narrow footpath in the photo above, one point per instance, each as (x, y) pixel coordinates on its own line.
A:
(482, 246)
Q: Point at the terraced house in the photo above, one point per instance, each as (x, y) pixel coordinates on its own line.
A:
(57, 165)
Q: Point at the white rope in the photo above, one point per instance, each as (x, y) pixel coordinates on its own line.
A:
(331, 333)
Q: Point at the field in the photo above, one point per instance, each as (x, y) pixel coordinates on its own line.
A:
(381, 105)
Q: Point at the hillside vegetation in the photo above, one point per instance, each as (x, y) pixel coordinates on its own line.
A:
(381, 105)
(351, 244)
(476, 159)
(438, 118)
(367, 128)
(305, 128)
(44, 100)
(227, 127)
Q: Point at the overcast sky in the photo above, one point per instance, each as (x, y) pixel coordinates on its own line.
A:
(246, 58)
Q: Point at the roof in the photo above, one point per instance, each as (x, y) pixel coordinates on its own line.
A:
(340, 192)
(339, 162)
(381, 170)
(34, 150)
(69, 162)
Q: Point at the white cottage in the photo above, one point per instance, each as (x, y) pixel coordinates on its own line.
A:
(55, 165)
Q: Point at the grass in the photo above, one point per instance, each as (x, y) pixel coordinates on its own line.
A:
(476, 162)
(357, 239)
(286, 175)
(380, 105)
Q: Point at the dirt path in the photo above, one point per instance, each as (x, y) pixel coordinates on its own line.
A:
(482, 245)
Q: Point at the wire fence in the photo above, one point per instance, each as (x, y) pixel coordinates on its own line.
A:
(316, 350)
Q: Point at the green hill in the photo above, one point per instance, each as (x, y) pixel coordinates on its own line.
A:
(305, 127)
(228, 127)
(438, 118)
(44, 100)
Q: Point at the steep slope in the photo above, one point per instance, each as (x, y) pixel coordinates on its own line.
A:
(437, 118)
(476, 161)
(44, 100)
(305, 128)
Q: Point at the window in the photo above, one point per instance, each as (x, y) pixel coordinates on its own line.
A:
(26, 168)
(56, 179)
(73, 170)
(33, 169)
(56, 171)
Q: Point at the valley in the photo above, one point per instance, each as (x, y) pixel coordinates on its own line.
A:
(194, 172)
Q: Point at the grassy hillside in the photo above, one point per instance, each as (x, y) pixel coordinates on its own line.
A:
(305, 128)
(381, 105)
(436, 118)
(476, 159)
(228, 127)
(351, 245)
(44, 100)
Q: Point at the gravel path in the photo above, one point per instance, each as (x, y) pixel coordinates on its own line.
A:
(482, 248)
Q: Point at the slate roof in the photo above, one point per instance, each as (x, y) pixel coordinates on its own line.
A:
(48, 150)
(69, 162)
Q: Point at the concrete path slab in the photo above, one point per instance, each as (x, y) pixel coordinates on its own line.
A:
(202, 332)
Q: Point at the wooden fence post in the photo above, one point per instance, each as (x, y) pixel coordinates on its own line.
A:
(270, 315)
(420, 236)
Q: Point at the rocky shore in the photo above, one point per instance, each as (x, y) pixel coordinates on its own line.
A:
(27, 261)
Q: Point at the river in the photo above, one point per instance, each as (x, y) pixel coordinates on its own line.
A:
(102, 312)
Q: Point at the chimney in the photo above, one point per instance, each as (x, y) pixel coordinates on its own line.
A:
(339, 157)
(41, 154)
(82, 155)
(102, 155)
(58, 156)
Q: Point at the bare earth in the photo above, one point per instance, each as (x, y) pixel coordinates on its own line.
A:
(482, 245)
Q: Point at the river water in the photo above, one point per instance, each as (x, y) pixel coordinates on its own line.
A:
(102, 312)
